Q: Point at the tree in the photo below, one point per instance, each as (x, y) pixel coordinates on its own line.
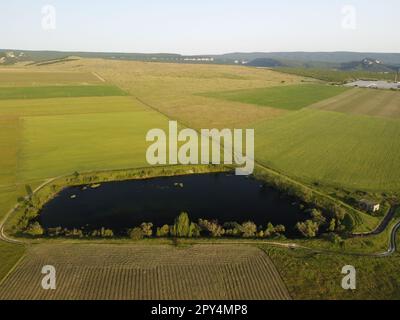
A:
(147, 229)
(107, 233)
(332, 225)
(136, 233)
(348, 222)
(270, 231)
(212, 227)
(280, 228)
(317, 217)
(194, 230)
(163, 231)
(339, 212)
(308, 229)
(233, 229)
(34, 230)
(249, 229)
(181, 228)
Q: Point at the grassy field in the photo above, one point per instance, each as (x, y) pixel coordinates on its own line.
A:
(42, 138)
(380, 103)
(8, 93)
(318, 276)
(10, 254)
(85, 142)
(336, 75)
(147, 272)
(343, 150)
(281, 97)
(10, 77)
(172, 89)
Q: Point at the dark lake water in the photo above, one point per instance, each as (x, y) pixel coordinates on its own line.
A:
(126, 204)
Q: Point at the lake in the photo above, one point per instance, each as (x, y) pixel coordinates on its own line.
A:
(125, 204)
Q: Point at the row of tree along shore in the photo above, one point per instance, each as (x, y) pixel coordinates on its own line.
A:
(183, 227)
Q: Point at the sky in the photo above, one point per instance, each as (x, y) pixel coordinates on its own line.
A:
(200, 26)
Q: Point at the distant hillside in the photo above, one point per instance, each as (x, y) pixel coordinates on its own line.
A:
(324, 57)
(9, 57)
(331, 60)
(367, 64)
(266, 63)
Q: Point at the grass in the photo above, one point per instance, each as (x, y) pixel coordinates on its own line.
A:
(8, 93)
(380, 103)
(318, 276)
(282, 97)
(18, 109)
(85, 142)
(136, 272)
(34, 77)
(10, 254)
(41, 138)
(336, 75)
(172, 88)
(342, 150)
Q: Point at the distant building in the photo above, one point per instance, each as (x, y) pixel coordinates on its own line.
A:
(370, 206)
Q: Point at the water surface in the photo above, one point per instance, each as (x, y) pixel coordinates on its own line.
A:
(126, 204)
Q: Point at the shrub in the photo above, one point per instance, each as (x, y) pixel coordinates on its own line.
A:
(194, 230)
(136, 234)
(317, 217)
(34, 230)
(308, 229)
(212, 227)
(249, 229)
(147, 229)
(163, 231)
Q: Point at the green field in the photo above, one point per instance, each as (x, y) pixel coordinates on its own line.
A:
(341, 138)
(10, 254)
(8, 93)
(356, 152)
(54, 145)
(380, 103)
(282, 97)
(35, 77)
(337, 75)
(318, 276)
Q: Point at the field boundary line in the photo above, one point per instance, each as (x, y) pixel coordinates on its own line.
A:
(98, 77)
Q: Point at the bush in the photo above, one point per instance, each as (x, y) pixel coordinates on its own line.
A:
(163, 231)
(212, 227)
(194, 230)
(308, 229)
(34, 230)
(136, 234)
(249, 229)
(317, 217)
(147, 229)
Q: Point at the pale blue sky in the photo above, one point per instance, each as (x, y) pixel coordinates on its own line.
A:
(201, 26)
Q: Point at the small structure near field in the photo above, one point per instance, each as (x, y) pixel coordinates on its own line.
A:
(370, 206)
